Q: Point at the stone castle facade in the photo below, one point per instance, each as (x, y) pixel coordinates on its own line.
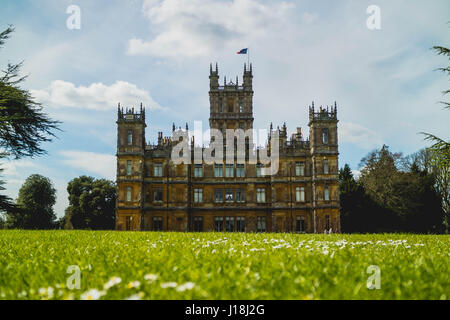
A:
(156, 194)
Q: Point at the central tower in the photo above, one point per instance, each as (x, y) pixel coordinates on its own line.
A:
(231, 104)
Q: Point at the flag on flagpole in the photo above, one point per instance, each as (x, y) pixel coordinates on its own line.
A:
(243, 51)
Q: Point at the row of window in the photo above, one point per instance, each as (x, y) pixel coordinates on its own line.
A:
(231, 195)
(229, 169)
(228, 224)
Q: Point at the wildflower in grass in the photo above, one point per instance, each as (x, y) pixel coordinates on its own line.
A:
(46, 293)
(169, 285)
(150, 277)
(138, 296)
(112, 282)
(92, 294)
(134, 284)
(186, 286)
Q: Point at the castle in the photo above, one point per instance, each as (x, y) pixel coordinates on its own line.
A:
(157, 194)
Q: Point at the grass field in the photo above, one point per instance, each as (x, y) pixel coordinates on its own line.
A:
(135, 265)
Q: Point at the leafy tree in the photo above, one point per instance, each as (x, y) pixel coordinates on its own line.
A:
(404, 200)
(35, 202)
(23, 125)
(91, 204)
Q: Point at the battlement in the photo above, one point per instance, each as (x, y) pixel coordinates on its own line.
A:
(130, 115)
(324, 114)
(230, 85)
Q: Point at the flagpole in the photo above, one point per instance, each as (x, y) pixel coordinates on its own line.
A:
(248, 57)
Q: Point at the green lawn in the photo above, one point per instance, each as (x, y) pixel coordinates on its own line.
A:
(120, 265)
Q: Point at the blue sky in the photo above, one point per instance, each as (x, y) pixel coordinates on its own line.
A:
(159, 51)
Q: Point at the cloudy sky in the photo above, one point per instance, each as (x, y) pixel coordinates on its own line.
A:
(158, 52)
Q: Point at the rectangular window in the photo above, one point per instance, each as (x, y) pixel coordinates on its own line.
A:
(229, 224)
(130, 137)
(240, 224)
(218, 224)
(241, 106)
(218, 170)
(198, 195)
(218, 195)
(157, 195)
(157, 169)
(157, 223)
(240, 195)
(220, 105)
(198, 224)
(129, 166)
(325, 135)
(229, 196)
(261, 195)
(299, 168)
(230, 105)
(229, 170)
(327, 222)
(326, 193)
(261, 224)
(240, 170)
(300, 194)
(259, 170)
(128, 197)
(300, 226)
(198, 170)
(128, 223)
(325, 167)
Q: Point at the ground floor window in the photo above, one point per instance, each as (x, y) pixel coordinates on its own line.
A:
(157, 223)
(229, 224)
(218, 224)
(261, 224)
(128, 222)
(240, 224)
(198, 224)
(300, 225)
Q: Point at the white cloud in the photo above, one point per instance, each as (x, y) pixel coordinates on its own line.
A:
(361, 136)
(103, 165)
(13, 167)
(199, 27)
(97, 96)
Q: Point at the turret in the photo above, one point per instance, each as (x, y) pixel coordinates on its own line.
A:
(213, 78)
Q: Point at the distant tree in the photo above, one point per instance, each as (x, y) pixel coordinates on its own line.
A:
(23, 125)
(2, 222)
(91, 204)
(405, 198)
(35, 202)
